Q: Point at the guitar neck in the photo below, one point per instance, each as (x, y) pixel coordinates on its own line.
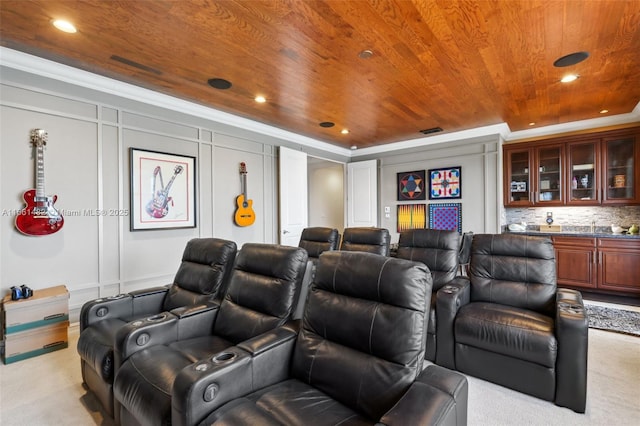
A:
(40, 192)
(168, 187)
(244, 185)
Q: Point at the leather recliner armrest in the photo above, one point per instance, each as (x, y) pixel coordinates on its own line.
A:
(253, 364)
(449, 299)
(149, 301)
(437, 397)
(157, 329)
(196, 320)
(118, 306)
(126, 305)
(164, 328)
(572, 333)
(271, 353)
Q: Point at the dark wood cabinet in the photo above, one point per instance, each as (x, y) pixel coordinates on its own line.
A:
(575, 261)
(518, 164)
(609, 265)
(592, 169)
(619, 265)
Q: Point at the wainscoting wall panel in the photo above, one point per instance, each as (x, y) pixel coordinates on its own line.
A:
(87, 165)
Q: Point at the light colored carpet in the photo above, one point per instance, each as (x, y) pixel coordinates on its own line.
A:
(47, 390)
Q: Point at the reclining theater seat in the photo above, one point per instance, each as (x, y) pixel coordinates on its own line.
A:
(439, 250)
(316, 240)
(357, 359)
(370, 240)
(262, 293)
(508, 323)
(202, 275)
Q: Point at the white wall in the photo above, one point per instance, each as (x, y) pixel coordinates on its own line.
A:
(87, 167)
(326, 194)
(480, 160)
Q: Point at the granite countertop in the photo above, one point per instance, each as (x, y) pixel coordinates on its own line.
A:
(570, 233)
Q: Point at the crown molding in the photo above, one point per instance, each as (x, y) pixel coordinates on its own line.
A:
(43, 67)
(593, 123)
(501, 129)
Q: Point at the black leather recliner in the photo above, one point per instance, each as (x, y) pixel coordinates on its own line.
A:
(316, 240)
(439, 250)
(369, 240)
(357, 358)
(203, 275)
(509, 324)
(262, 293)
(465, 252)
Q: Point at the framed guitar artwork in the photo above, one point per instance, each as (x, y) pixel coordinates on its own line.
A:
(162, 190)
(39, 217)
(244, 215)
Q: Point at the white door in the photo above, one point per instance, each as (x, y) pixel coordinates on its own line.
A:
(293, 195)
(362, 193)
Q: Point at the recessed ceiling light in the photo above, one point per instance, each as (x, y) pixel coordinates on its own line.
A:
(345, 131)
(260, 99)
(65, 26)
(327, 124)
(569, 78)
(604, 111)
(532, 124)
(354, 147)
(365, 54)
(571, 59)
(219, 83)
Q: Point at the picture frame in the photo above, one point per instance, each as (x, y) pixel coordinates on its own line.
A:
(446, 216)
(411, 186)
(411, 216)
(162, 190)
(445, 183)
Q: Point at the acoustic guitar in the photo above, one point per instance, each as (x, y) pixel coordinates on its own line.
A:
(39, 217)
(245, 215)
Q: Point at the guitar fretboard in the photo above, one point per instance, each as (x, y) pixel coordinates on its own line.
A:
(38, 140)
(40, 192)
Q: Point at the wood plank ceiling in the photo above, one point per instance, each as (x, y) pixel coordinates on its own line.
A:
(451, 64)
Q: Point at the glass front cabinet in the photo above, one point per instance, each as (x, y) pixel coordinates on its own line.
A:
(518, 164)
(620, 172)
(584, 175)
(549, 180)
(592, 169)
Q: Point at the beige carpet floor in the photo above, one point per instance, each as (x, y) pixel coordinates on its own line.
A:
(47, 390)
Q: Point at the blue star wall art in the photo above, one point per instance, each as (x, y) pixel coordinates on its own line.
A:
(411, 186)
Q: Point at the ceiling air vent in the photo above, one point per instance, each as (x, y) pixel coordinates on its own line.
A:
(431, 130)
(135, 64)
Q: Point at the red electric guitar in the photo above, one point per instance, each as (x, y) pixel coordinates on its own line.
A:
(39, 217)
(158, 207)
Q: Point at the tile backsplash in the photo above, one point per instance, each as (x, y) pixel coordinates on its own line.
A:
(575, 217)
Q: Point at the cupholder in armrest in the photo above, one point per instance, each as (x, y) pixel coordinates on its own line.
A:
(156, 318)
(571, 308)
(224, 357)
(449, 289)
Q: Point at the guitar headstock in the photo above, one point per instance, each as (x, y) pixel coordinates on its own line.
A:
(38, 137)
(243, 168)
